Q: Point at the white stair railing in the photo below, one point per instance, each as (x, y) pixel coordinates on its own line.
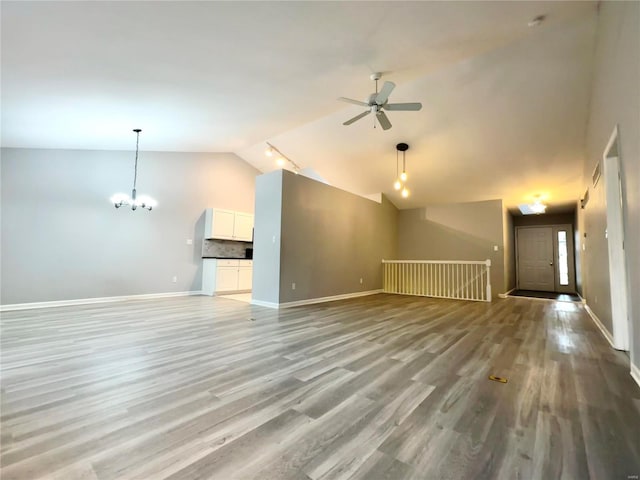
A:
(461, 280)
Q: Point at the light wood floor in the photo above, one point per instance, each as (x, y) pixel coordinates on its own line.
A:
(378, 387)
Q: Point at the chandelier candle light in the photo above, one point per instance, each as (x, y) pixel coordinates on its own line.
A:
(142, 201)
(401, 179)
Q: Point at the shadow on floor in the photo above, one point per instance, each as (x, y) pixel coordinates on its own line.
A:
(561, 297)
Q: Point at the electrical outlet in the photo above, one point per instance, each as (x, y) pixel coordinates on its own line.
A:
(361, 281)
(174, 279)
(293, 286)
(495, 248)
(189, 241)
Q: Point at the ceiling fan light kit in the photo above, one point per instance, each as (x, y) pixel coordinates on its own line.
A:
(378, 102)
(135, 201)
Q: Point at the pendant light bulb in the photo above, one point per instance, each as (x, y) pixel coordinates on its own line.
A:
(405, 192)
(397, 185)
(403, 176)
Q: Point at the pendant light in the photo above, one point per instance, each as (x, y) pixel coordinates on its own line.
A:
(397, 185)
(401, 179)
(135, 201)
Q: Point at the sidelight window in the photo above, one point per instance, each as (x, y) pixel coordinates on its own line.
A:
(563, 258)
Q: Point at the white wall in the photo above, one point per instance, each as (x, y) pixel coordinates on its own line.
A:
(63, 240)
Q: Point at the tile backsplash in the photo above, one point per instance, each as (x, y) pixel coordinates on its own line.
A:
(224, 248)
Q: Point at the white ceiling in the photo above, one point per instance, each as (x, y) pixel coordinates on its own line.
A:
(505, 106)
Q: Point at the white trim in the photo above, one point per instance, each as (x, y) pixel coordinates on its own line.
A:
(612, 139)
(461, 262)
(88, 301)
(310, 301)
(599, 324)
(635, 373)
(617, 264)
(506, 294)
(260, 303)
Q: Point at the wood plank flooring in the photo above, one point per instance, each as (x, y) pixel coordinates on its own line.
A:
(380, 387)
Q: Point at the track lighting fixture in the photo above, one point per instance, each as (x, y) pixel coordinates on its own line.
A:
(135, 201)
(281, 159)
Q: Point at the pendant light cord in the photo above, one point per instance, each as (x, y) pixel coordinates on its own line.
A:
(135, 168)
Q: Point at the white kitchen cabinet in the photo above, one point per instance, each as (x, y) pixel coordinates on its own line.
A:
(245, 275)
(228, 225)
(243, 227)
(226, 275)
(226, 279)
(221, 224)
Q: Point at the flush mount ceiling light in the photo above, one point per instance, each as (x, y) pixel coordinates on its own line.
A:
(401, 179)
(535, 208)
(281, 158)
(135, 201)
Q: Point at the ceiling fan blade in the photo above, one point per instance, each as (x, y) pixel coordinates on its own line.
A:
(357, 117)
(384, 120)
(403, 106)
(384, 93)
(355, 102)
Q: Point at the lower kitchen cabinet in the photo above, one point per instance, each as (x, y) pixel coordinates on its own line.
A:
(225, 275)
(245, 277)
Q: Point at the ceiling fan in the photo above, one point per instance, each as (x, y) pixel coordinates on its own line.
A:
(378, 101)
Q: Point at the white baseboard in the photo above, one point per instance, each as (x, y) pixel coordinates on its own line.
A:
(260, 303)
(310, 301)
(599, 324)
(505, 294)
(635, 373)
(88, 301)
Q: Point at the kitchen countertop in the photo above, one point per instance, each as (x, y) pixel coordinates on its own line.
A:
(229, 258)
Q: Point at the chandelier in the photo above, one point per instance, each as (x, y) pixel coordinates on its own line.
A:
(135, 201)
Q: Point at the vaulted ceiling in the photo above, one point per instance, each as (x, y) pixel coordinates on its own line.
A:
(505, 106)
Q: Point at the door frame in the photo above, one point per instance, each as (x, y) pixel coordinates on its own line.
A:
(612, 178)
(571, 288)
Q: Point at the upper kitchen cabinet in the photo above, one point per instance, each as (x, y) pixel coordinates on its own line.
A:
(243, 227)
(228, 225)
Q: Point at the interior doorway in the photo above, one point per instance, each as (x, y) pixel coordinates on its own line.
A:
(544, 258)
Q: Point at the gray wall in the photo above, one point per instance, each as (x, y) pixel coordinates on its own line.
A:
(555, 219)
(267, 238)
(546, 219)
(63, 240)
(458, 231)
(331, 238)
(615, 99)
(319, 237)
